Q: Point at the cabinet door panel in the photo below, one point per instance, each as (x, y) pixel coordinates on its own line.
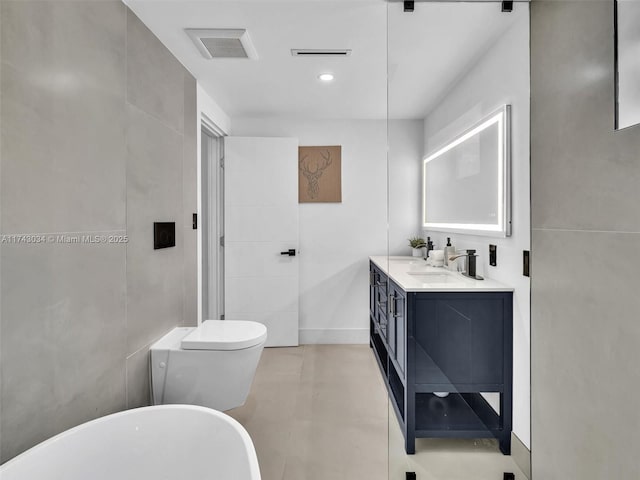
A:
(397, 319)
(381, 302)
(401, 319)
(391, 331)
(463, 337)
(453, 350)
(372, 290)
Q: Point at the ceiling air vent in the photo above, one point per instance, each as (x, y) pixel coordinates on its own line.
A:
(222, 42)
(310, 52)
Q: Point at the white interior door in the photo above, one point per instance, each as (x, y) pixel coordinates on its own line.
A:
(261, 222)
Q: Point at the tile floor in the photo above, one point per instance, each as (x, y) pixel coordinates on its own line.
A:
(320, 412)
(448, 459)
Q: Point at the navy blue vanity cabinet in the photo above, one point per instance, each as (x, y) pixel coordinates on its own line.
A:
(396, 378)
(378, 282)
(442, 353)
(372, 288)
(396, 326)
(377, 315)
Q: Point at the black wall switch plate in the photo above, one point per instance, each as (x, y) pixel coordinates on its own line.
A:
(525, 263)
(410, 476)
(194, 222)
(507, 6)
(493, 255)
(509, 476)
(164, 235)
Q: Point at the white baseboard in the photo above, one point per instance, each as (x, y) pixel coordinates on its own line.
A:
(334, 336)
(521, 455)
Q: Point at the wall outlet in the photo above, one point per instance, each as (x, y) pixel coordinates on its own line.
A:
(493, 255)
(525, 263)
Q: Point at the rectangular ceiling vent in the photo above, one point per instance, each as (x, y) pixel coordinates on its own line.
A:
(222, 42)
(310, 52)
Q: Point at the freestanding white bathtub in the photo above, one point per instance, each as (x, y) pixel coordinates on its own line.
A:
(166, 442)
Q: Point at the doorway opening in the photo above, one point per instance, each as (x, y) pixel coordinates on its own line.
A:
(212, 221)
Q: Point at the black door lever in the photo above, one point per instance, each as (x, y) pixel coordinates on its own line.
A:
(291, 252)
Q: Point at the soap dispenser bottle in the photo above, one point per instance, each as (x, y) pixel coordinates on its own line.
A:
(449, 250)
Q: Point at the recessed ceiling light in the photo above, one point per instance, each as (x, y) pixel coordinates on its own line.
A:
(326, 77)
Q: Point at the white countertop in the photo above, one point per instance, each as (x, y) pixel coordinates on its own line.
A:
(413, 275)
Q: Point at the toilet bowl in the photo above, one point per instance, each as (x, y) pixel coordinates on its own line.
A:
(211, 365)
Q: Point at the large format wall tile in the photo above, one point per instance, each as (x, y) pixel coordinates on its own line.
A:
(63, 345)
(138, 381)
(63, 92)
(190, 202)
(155, 79)
(74, 155)
(155, 278)
(584, 299)
(585, 333)
(581, 168)
(61, 41)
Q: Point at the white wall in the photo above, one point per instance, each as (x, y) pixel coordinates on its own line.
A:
(406, 144)
(500, 77)
(209, 108)
(337, 238)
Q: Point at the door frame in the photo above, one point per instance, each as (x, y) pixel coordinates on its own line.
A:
(211, 179)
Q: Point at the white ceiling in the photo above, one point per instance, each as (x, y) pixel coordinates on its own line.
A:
(428, 49)
(435, 46)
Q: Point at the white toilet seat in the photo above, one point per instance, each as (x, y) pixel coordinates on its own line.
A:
(225, 335)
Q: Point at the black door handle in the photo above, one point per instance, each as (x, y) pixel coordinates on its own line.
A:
(291, 252)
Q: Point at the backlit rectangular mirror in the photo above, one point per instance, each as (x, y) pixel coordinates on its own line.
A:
(466, 183)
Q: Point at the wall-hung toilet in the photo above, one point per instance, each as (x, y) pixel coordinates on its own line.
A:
(212, 365)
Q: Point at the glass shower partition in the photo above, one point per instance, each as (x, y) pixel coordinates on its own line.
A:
(456, 362)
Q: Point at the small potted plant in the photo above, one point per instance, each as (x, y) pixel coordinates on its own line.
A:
(417, 244)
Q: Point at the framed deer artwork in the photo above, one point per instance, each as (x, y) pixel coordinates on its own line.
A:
(320, 174)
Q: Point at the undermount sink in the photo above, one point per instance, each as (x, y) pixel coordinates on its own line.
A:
(410, 261)
(435, 277)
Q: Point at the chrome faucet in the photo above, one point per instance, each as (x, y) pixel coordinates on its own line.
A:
(469, 264)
